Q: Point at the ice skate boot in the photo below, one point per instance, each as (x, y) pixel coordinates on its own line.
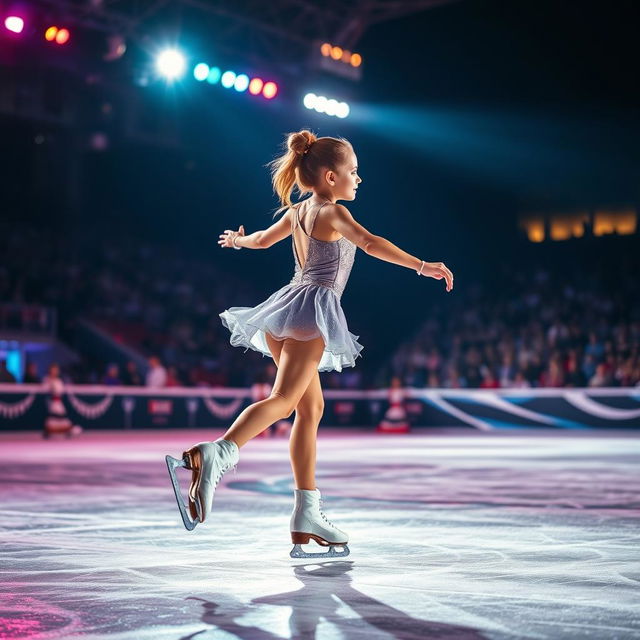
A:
(308, 522)
(208, 461)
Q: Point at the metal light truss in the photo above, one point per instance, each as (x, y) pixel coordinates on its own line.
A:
(269, 31)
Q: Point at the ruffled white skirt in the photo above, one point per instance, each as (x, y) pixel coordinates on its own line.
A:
(301, 312)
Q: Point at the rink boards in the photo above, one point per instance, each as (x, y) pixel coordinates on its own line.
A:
(24, 407)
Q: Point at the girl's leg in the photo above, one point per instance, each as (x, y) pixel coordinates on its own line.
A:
(302, 443)
(298, 363)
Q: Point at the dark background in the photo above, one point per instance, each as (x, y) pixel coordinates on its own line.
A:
(467, 115)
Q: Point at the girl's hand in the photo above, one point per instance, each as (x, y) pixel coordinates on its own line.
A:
(438, 270)
(228, 236)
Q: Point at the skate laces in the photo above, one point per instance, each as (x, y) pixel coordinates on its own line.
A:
(224, 469)
(325, 517)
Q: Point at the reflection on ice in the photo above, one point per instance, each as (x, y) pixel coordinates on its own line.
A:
(451, 535)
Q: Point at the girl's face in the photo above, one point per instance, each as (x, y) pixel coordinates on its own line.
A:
(347, 179)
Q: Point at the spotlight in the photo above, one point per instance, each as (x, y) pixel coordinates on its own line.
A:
(332, 107)
(14, 24)
(255, 86)
(214, 75)
(228, 79)
(62, 37)
(269, 90)
(322, 104)
(201, 72)
(171, 64)
(241, 83)
(337, 60)
(343, 110)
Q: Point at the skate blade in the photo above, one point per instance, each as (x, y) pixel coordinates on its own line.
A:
(172, 465)
(299, 552)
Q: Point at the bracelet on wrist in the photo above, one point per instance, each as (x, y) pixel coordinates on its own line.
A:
(233, 242)
(419, 271)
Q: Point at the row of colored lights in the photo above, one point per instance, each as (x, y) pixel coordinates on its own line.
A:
(172, 64)
(15, 24)
(322, 104)
(232, 80)
(60, 36)
(338, 53)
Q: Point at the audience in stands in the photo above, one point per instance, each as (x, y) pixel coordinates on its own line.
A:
(545, 330)
(542, 327)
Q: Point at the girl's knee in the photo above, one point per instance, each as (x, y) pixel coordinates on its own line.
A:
(311, 413)
(288, 406)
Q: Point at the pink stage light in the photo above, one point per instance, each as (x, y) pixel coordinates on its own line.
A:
(62, 37)
(269, 90)
(255, 86)
(14, 24)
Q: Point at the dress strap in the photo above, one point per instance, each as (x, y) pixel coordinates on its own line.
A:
(294, 217)
(313, 220)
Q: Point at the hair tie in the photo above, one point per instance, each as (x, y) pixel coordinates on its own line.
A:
(306, 149)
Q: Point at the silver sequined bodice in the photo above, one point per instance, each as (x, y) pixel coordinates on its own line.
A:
(328, 264)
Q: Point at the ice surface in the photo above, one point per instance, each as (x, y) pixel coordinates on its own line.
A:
(453, 534)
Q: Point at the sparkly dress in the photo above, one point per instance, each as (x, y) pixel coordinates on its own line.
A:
(309, 306)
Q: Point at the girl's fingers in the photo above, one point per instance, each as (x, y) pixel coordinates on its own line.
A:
(448, 276)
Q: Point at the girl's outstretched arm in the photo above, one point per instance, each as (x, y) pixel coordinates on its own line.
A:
(259, 239)
(378, 247)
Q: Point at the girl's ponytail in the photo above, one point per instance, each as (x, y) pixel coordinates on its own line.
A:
(285, 170)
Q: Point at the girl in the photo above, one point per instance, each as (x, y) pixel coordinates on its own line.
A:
(301, 326)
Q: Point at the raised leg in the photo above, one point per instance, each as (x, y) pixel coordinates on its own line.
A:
(298, 363)
(208, 461)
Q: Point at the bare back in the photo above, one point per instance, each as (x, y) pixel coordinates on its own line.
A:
(308, 221)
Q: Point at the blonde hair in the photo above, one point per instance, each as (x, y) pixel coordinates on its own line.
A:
(300, 166)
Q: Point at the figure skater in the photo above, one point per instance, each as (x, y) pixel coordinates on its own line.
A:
(301, 326)
(57, 421)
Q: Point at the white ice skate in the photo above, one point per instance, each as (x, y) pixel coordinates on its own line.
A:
(308, 522)
(208, 461)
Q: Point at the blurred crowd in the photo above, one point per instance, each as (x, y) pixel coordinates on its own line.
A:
(531, 326)
(155, 299)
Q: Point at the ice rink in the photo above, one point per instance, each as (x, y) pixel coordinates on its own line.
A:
(453, 534)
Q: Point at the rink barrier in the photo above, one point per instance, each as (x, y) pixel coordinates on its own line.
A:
(24, 407)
